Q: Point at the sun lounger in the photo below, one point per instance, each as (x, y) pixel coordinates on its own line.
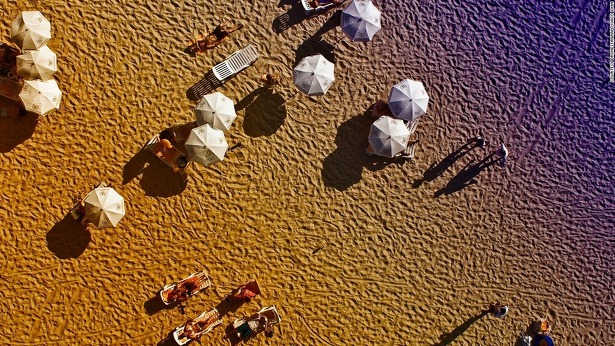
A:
(170, 156)
(309, 10)
(9, 107)
(204, 279)
(235, 63)
(243, 326)
(412, 125)
(203, 317)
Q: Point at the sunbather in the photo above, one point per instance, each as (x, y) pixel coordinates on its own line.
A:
(320, 3)
(243, 293)
(184, 289)
(194, 329)
(213, 38)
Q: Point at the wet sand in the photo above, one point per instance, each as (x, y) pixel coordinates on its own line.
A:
(351, 250)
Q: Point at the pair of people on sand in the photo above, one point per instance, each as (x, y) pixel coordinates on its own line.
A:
(498, 309)
(165, 149)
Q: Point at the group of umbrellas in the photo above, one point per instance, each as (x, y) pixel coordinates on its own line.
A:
(314, 74)
(408, 101)
(36, 65)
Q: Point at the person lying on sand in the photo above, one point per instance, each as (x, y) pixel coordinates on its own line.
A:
(213, 38)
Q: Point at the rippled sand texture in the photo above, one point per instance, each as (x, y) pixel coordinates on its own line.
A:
(353, 251)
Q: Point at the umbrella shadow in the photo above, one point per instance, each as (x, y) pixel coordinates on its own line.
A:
(333, 22)
(467, 176)
(292, 17)
(447, 338)
(344, 166)
(68, 238)
(265, 112)
(157, 179)
(313, 46)
(16, 130)
(438, 168)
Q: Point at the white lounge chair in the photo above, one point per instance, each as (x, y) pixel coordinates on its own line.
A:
(202, 317)
(235, 63)
(309, 10)
(412, 125)
(204, 279)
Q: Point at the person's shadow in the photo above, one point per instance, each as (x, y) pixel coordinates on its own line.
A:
(466, 176)
(15, 130)
(155, 305)
(344, 166)
(437, 169)
(68, 238)
(447, 338)
(157, 179)
(265, 112)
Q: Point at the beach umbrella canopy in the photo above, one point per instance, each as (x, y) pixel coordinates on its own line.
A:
(408, 99)
(37, 64)
(361, 20)
(206, 145)
(104, 207)
(30, 30)
(217, 110)
(388, 136)
(314, 75)
(41, 97)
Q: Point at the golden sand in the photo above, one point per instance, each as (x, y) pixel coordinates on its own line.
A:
(346, 248)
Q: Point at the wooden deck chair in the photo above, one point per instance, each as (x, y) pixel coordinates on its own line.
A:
(410, 151)
(235, 63)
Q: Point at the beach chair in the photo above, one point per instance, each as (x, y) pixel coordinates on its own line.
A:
(309, 10)
(10, 88)
(412, 125)
(174, 158)
(235, 63)
(205, 316)
(204, 283)
(9, 108)
(247, 327)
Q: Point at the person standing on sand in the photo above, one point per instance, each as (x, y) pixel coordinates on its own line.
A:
(497, 309)
(503, 153)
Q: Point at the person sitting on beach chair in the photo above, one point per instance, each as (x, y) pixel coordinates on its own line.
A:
(195, 329)
(183, 290)
(164, 149)
(213, 38)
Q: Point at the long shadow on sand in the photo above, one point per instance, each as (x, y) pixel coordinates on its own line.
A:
(437, 169)
(157, 179)
(68, 238)
(447, 338)
(312, 46)
(155, 305)
(265, 112)
(14, 131)
(467, 176)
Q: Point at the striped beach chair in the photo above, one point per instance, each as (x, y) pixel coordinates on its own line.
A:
(235, 63)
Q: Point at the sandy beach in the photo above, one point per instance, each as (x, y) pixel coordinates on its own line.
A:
(352, 250)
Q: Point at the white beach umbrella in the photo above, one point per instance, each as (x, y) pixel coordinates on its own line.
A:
(314, 75)
(388, 136)
(217, 110)
(104, 207)
(206, 145)
(30, 30)
(37, 64)
(408, 99)
(361, 20)
(41, 97)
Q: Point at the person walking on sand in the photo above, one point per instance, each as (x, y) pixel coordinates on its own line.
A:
(503, 154)
(497, 309)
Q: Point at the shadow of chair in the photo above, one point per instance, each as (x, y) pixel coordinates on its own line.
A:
(15, 130)
(447, 338)
(265, 112)
(155, 305)
(292, 17)
(206, 85)
(68, 238)
(168, 340)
